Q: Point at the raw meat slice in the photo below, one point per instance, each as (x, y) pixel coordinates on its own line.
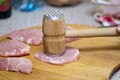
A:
(23, 65)
(33, 36)
(30, 36)
(118, 28)
(70, 39)
(13, 48)
(70, 55)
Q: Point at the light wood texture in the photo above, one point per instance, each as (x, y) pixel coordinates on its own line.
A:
(98, 32)
(99, 57)
(54, 36)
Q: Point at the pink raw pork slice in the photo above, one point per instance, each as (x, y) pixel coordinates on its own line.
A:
(33, 36)
(70, 55)
(118, 28)
(13, 48)
(70, 39)
(30, 36)
(23, 65)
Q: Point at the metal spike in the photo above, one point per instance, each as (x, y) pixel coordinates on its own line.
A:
(53, 15)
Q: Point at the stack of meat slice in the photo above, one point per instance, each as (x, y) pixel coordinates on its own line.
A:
(16, 47)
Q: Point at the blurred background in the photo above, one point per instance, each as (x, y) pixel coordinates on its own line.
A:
(78, 13)
(29, 13)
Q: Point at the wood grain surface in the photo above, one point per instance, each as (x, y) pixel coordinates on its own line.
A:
(99, 57)
(54, 36)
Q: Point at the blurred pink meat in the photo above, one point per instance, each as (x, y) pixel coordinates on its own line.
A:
(30, 36)
(13, 48)
(118, 28)
(23, 65)
(113, 9)
(33, 36)
(115, 2)
(70, 39)
(70, 55)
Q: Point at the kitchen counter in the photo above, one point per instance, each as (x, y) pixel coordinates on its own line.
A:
(79, 14)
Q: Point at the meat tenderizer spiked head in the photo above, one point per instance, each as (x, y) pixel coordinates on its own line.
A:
(53, 32)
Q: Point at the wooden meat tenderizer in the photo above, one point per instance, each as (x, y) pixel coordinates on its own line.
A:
(53, 32)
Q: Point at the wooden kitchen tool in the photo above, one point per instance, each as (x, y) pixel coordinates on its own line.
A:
(54, 32)
(97, 32)
(99, 57)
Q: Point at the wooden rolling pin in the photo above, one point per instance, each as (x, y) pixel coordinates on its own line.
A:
(54, 32)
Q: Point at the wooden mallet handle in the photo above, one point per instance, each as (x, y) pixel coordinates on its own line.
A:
(95, 32)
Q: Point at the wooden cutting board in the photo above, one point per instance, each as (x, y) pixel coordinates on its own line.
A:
(99, 57)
